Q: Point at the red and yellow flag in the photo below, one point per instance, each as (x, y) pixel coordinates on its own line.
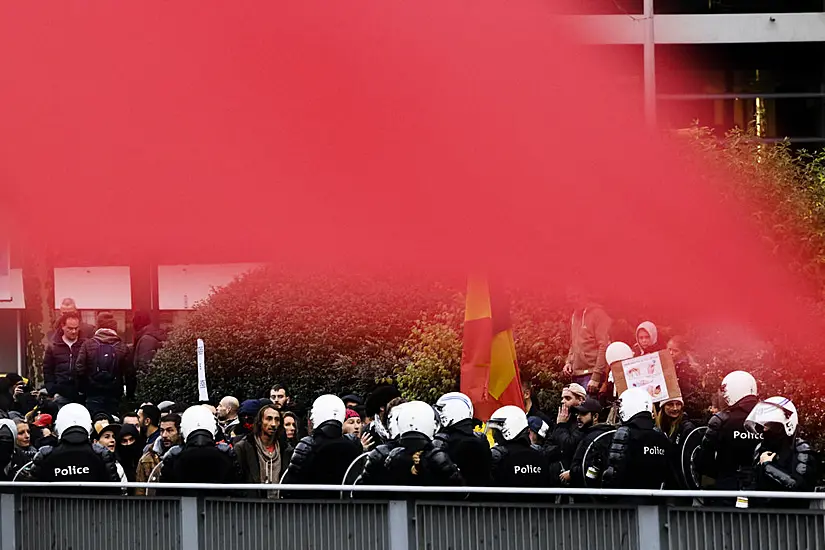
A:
(489, 370)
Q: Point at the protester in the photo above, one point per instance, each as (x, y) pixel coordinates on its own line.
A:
(279, 396)
(673, 422)
(291, 428)
(376, 411)
(324, 456)
(103, 368)
(590, 425)
(590, 336)
(148, 340)
(132, 418)
(352, 401)
(129, 450)
(11, 386)
(24, 451)
(74, 458)
(147, 467)
(639, 453)
(647, 339)
(539, 430)
(60, 360)
(352, 424)
(565, 436)
(726, 453)
(514, 462)
(107, 437)
(149, 418)
(260, 452)
(468, 449)
(530, 404)
(247, 413)
(228, 415)
(781, 462)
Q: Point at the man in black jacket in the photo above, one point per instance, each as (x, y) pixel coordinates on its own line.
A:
(726, 453)
(75, 457)
(60, 360)
(468, 449)
(638, 456)
(103, 367)
(148, 340)
(324, 456)
(782, 462)
(588, 419)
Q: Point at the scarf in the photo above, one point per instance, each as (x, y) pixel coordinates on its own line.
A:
(268, 462)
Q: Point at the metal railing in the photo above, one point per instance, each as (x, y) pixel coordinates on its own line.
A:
(35, 516)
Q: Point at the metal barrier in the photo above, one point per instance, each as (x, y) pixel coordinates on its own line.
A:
(35, 521)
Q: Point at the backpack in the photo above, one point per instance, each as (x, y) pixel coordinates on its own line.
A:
(106, 364)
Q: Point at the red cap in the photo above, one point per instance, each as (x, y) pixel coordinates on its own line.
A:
(352, 414)
(43, 420)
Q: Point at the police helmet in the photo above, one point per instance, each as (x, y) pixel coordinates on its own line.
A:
(633, 401)
(509, 420)
(778, 410)
(73, 415)
(738, 385)
(453, 407)
(617, 351)
(417, 416)
(328, 407)
(392, 420)
(197, 418)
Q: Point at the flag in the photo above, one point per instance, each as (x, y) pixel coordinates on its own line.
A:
(489, 370)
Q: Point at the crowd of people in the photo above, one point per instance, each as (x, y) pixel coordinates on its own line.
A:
(71, 431)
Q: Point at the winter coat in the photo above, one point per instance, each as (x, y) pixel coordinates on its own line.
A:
(726, 453)
(638, 457)
(147, 343)
(247, 452)
(590, 336)
(469, 450)
(103, 384)
(588, 436)
(148, 464)
(59, 367)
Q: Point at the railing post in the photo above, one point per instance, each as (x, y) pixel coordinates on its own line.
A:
(651, 529)
(189, 524)
(8, 521)
(398, 517)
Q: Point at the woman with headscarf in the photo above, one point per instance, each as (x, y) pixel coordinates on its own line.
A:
(647, 339)
(24, 451)
(129, 450)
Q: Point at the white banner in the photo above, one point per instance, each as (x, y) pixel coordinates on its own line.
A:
(203, 392)
(5, 273)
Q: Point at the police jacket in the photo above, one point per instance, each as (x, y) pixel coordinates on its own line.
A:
(375, 473)
(792, 469)
(469, 450)
(74, 458)
(517, 464)
(638, 456)
(600, 450)
(200, 460)
(322, 458)
(727, 449)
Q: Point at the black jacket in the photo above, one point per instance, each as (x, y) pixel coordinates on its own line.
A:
(59, 366)
(726, 453)
(793, 469)
(74, 458)
(677, 442)
(104, 384)
(147, 343)
(469, 450)
(200, 460)
(322, 458)
(517, 464)
(416, 461)
(565, 437)
(375, 472)
(247, 452)
(639, 456)
(601, 449)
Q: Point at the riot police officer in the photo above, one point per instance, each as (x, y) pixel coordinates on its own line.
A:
(415, 460)
(514, 461)
(781, 462)
(200, 459)
(75, 457)
(639, 453)
(324, 456)
(374, 470)
(726, 453)
(468, 449)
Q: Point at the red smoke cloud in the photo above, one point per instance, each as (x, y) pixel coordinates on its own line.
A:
(431, 135)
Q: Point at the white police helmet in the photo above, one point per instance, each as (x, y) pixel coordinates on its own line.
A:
(453, 407)
(197, 418)
(779, 410)
(392, 420)
(633, 401)
(73, 415)
(510, 420)
(417, 416)
(328, 407)
(738, 385)
(617, 351)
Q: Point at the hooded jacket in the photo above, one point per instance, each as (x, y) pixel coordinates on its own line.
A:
(147, 343)
(589, 338)
(59, 366)
(726, 453)
(103, 384)
(651, 329)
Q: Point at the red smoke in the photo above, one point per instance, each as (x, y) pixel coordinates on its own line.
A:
(433, 135)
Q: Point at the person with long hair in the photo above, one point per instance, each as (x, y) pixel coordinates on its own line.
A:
(260, 453)
(674, 423)
(24, 451)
